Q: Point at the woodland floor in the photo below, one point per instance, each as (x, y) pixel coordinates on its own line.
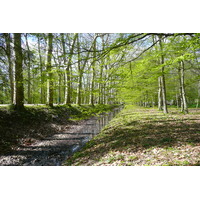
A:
(144, 137)
(41, 135)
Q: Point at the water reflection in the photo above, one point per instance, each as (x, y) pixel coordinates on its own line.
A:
(94, 126)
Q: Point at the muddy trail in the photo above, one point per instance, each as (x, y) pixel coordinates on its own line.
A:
(53, 150)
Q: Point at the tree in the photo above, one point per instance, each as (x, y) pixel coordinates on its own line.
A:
(69, 63)
(144, 68)
(49, 70)
(162, 78)
(93, 73)
(18, 73)
(29, 68)
(80, 73)
(10, 64)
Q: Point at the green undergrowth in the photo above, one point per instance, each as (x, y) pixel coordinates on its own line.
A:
(85, 111)
(40, 121)
(144, 137)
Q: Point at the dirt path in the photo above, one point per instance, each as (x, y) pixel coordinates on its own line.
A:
(53, 150)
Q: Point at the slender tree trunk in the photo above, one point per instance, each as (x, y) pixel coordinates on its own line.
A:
(68, 77)
(159, 93)
(69, 89)
(33, 99)
(29, 68)
(10, 65)
(80, 72)
(177, 101)
(180, 89)
(41, 73)
(93, 75)
(185, 107)
(105, 86)
(100, 86)
(59, 88)
(58, 64)
(165, 110)
(197, 105)
(18, 72)
(86, 97)
(49, 68)
(101, 75)
(163, 80)
(65, 61)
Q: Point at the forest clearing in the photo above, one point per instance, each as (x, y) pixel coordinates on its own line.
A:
(54, 85)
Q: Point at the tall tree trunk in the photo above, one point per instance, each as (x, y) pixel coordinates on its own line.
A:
(165, 110)
(18, 72)
(101, 75)
(100, 86)
(29, 68)
(185, 107)
(59, 81)
(87, 88)
(93, 75)
(65, 61)
(49, 70)
(105, 93)
(41, 73)
(177, 100)
(159, 93)
(180, 88)
(68, 77)
(163, 79)
(197, 105)
(58, 65)
(80, 72)
(10, 65)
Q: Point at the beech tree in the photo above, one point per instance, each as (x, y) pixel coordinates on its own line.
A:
(148, 69)
(19, 86)
(10, 65)
(49, 70)
(162, 79)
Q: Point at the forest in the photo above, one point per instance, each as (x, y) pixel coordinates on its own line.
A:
(100, 68)
(87, 73)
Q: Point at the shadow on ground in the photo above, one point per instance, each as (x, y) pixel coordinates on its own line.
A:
(140, 135)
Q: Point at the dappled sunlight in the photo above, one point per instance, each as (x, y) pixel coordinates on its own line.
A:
(172, 139)
(51, 136)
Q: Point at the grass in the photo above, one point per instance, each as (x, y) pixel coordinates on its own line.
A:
(138, 136)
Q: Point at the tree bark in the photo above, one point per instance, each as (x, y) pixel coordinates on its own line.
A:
(10, 65)
(65, 61)
(159, 93)
(80, 72)
(68, 76)
(185, 107)
(93, 75)
(41, 73)
(18, 72)
(197, 105)
(101, 76)
(165, 110)
(49, 70)
(29, 68)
